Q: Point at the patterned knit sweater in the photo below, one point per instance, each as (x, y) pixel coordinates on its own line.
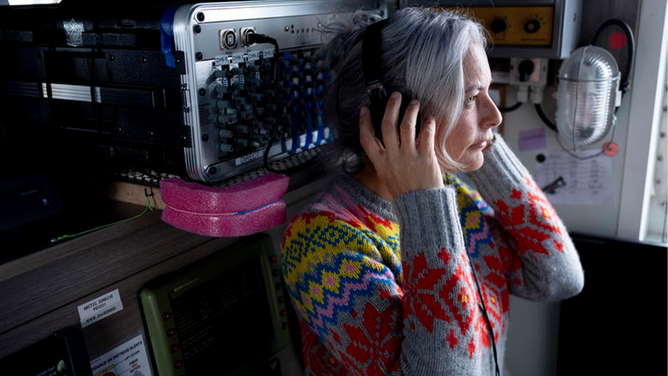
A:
(387, 288)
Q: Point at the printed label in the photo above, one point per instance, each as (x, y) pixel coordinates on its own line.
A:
(128, 359)
(99, 308)
(221, 60)
(205, 115)
(249, 157)
(253, 55)
(237, 58)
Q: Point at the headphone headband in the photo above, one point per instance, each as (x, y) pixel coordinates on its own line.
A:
(371, 52)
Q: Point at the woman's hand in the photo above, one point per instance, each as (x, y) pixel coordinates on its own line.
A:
(405, 163)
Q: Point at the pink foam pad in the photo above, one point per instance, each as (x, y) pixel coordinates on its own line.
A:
(227, 225)
(247, 195)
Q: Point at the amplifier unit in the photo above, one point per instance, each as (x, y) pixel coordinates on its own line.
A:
(186, 90)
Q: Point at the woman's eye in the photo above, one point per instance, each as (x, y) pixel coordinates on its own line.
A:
(469, 100)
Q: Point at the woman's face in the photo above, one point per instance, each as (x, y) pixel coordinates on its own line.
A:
(472, 133)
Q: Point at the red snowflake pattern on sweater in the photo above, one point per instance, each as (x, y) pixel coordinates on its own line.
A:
(419, 284)
(459, 291)
(373, 345)
(532, 220)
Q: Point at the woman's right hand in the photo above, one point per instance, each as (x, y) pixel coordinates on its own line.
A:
(405, 163)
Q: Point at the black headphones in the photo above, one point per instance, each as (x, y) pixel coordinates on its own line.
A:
(371, 52)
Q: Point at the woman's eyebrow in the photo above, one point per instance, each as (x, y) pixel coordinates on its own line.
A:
(475, 86)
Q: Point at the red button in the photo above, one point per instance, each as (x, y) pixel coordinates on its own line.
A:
(617, 41)
(610, 149)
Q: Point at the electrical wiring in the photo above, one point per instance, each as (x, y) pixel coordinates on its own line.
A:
(254, 38)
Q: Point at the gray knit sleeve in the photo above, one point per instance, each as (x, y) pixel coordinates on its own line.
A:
(440, 300)
(428, 219)
(550, 268)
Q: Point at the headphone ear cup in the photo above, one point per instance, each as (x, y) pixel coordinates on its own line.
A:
(377, 111)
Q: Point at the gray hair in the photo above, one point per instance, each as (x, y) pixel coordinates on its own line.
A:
(423, 50)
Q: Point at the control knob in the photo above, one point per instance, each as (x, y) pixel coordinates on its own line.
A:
(498, 25)
(532, 26)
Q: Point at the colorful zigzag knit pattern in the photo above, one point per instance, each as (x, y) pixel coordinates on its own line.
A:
(384, 287)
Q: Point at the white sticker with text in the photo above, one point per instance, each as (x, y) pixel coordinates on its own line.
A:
(99, 308)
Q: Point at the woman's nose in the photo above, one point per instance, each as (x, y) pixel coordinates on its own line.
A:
(493, 117)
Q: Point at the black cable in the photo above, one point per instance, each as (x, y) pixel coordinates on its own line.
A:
(486, 316)
(254, 38)
(544, 118)
(665, 218)
(624, 84)
(511, 108)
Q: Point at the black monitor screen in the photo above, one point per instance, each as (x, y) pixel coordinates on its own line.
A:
(62, 354)
(617, 325)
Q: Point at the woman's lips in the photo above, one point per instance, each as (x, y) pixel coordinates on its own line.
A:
(481, 145)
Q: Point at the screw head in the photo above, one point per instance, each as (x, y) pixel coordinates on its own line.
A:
(197, 29)
(205, 138)
(199, 56)
(200, 16)
(211, 170)
(202, 92)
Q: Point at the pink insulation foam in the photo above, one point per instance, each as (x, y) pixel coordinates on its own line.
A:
(242, 209)
(247, 195)
(252, 222)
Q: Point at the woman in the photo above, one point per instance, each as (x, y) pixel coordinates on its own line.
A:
(400, 268)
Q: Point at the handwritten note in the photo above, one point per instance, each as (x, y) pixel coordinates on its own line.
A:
(587, 182)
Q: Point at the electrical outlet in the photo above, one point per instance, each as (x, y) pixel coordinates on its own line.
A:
(528, 72)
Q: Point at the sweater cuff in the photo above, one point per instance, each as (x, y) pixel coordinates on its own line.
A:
(428, 219)
(500, 169)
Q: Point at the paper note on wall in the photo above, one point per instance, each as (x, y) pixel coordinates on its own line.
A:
(532, 139)
(584, 182)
